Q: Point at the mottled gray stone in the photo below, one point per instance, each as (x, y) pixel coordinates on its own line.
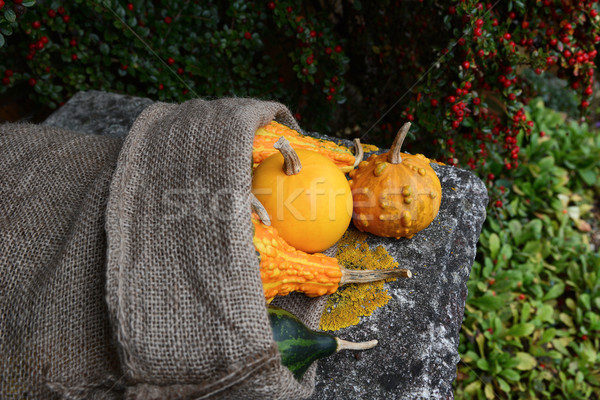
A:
(418, 330)
(100, 113)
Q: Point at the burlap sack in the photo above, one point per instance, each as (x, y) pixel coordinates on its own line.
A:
(167, 301)
(55, 336)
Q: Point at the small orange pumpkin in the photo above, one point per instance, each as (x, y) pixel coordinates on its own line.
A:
(395, 194)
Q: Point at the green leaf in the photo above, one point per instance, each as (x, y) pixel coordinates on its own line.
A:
(487, 302)
(526, 361)
(494, 243)
(2, 41)
(516, 229)
(545, 313)
(554, 292)
(28, 3)
(520, 330)
(489, 391)
(10, 15)
(483, 364)
(588, 175)
(511, 375)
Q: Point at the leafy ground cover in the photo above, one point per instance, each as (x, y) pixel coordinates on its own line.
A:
(532, 320)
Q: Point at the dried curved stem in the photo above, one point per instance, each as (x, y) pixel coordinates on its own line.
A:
(394, 156)
(259, 209)
(358, 152)
(291, 162)
(346, 345)
(371, 275)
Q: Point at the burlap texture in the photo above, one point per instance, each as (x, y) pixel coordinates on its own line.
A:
(184, 289)
(135, 277)
(55, 336)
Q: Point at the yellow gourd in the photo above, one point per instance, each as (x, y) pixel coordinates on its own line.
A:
(306, 195)
(395, 194)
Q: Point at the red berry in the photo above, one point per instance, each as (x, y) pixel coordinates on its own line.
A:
(338, 49)
(313, 34)
(170, 61)
(466, 65)
(507, 36)
(271, 5)
(310, 59)
(476, 101)
(289, 9)
(329, 97)
(498, 203)
(477, 32)
(553, 42)
(461, 41)
(593, 13)
(585, 104)
(434, 102)
(524, 24)
(584, 337)
(17, 1)
(66, 18)
(1, 4)
(6, 81)
(455, 124)
(521, 296)
(124, 67)
(300, 29)
(479, 23)
(130, 6)
(328, 50)
(491, 178)
(248, 35)
(44, 39)
(8, 73)
(60, 10)
(332, 90)
(542, 133)
(32, 82)
(512, 15)
(168, 20)
(73, 42)
(588, 90)
(74, 57)
(36, 24)
(180, 71)
(161, 86)
(39, 45)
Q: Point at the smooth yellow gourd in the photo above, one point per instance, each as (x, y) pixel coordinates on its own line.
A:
(306, 195)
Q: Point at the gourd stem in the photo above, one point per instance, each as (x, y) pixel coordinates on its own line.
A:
(358, 152)
(259, 209)
(394, 156)
(371, 275)
(291, 162)
(346, 345)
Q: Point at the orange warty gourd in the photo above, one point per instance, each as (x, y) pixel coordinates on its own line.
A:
(266, 136)
(395, 194)
(307, 197)
(284, 269)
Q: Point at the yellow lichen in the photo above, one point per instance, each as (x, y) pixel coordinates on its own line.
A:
(345, 307)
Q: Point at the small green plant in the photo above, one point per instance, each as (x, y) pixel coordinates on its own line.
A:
(532, 321)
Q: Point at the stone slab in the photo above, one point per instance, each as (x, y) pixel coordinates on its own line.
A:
(418, 330)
